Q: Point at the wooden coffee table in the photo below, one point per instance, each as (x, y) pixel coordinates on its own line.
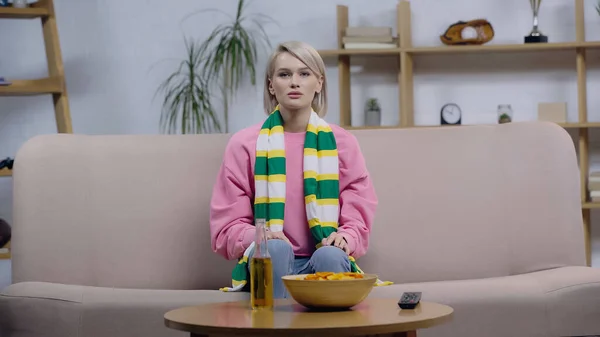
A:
(373, 316)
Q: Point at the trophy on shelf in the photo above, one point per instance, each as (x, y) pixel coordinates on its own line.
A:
(536, 35)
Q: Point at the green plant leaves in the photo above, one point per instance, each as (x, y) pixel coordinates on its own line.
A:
(373, 104)
(186, 105)
(220, 62)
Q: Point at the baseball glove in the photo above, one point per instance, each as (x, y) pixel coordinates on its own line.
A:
(453, 35)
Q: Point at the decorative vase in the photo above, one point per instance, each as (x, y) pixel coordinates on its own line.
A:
(372, 113)
(505, 113)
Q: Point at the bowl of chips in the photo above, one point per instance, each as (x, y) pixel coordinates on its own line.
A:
(329, 290)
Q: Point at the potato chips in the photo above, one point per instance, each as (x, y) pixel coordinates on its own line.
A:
(330, 276)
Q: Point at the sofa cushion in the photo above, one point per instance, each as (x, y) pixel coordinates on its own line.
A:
(554, 302)
(60, 310)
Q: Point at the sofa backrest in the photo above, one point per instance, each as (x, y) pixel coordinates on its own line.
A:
(132, 211)
(473, 201)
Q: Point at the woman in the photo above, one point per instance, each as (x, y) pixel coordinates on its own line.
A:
(314, 174)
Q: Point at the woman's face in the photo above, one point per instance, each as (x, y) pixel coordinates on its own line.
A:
(293, 83)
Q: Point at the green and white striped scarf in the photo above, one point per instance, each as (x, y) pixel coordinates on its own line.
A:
(321, 185)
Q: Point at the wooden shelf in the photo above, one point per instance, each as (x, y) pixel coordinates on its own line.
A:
(585, 125)
(23, 13)
(407, 53)
(357, 52)
(50, 85)
(372, 127)
(573, 125)
(591, 205)
(5, 172)
(54, 83)
(498, 48)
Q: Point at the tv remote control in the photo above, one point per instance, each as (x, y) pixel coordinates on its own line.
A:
(409, 300)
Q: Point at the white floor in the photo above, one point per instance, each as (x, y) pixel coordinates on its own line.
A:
(5, 275)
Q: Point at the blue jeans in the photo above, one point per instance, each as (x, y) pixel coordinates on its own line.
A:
(326, 258)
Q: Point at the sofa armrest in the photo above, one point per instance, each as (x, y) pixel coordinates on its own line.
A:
(35, 309)
(554, 302)
(572, 297)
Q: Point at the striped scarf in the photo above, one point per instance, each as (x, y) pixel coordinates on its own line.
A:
(321, 185)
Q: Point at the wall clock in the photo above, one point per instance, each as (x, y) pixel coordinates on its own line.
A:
(451, 114)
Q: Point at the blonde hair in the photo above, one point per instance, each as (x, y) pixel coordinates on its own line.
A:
(311, 58)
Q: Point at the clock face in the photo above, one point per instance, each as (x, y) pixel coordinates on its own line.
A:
(451, 113)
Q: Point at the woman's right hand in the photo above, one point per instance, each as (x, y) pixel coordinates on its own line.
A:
(277, 236)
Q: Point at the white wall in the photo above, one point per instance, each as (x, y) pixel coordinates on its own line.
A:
(116, 53)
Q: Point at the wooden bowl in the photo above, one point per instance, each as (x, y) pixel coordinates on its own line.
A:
(329, 294)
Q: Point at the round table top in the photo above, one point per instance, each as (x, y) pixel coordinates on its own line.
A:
(372, 316)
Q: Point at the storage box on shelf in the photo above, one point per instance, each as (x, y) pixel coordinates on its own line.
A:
(406, 53)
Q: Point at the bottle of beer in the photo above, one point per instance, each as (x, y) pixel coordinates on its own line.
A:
(261, 270)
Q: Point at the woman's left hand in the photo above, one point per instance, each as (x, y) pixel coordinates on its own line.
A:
(335, 239)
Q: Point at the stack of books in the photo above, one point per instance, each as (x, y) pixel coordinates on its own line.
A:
(594, 186)
(363, 37)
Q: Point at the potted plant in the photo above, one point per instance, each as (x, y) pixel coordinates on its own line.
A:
(504, 118)
(187, 105)
(217, 64)
(372, 112)
(505, 113)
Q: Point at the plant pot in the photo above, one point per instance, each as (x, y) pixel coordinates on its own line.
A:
(373, 118)
(372, 113)
(505, 113)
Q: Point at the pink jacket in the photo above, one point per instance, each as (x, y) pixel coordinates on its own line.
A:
(231, 213)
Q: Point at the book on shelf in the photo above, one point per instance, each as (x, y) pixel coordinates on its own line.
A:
(369, 38)
(369, 31)
(593, 185)
(369, 45)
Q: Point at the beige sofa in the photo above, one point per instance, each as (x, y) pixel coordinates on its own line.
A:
(110, 232)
